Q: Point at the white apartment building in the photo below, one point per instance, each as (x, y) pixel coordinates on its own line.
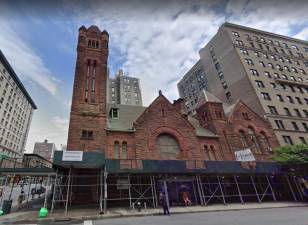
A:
(16, 110)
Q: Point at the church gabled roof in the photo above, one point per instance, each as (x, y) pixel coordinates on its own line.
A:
(206, 96)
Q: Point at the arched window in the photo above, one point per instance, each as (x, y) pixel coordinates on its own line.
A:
(96, 44)
(243, 138)
(265, 142)
(168, 146)
(116, 149)
(124, 150)
(253, 138)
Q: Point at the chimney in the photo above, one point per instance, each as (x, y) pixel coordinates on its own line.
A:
(45, 141)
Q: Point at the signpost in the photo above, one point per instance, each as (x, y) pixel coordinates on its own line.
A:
(244, 155)
(72, 156)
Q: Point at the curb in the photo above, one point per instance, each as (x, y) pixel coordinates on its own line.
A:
(98, 217)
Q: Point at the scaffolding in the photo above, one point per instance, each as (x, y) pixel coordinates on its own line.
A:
(97, 187)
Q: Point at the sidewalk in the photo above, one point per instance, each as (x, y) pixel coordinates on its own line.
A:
(93, 214)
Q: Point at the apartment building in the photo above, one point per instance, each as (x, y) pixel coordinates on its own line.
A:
(16, 110)
(191, 85)
(44, 149)
(124, 90)
(267, 71)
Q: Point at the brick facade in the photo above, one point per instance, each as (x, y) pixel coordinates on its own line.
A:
(221, 128)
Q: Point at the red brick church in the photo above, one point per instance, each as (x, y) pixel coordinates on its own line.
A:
(131, 153)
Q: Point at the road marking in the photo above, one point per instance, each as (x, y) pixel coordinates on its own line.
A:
(87, 222)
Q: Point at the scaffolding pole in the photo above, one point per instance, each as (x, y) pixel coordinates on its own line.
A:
(222, 193)
(54, 193)
(105, 189)
(294, 196)
(202, 193)
(272, 190)
(199, 191)
(129, 192)
(68, 190)
(254, 186)
(152, 191)
(101, 190)
(46, 193)
(155, 193)
(298, 188)
(238, 189)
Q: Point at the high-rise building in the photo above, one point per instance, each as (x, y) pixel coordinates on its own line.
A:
(191, 85)
(267, 71)
(124, 90)
(16, 110)
(44, 149)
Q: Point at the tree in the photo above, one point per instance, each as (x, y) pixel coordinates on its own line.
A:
(291, 154)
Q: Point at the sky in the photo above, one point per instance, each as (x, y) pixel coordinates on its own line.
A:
(156, 41)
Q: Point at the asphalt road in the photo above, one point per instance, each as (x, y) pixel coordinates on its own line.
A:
(278, 216)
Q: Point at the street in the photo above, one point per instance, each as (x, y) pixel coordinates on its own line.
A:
(278, 216)
(16, 192)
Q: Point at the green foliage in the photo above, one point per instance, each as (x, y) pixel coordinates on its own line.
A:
(291, 154)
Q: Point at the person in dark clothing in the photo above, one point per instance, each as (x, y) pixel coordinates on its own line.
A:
(164, 204)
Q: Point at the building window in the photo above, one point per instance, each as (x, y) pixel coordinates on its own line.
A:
(297, 112)
(290, 99)
(287, 140)
(249, 62)
(280, 98)
(244, 52)
(267, 74)
(228, 95)
(287, 112)
(86, 134)
(302, 139)
(305, 112)
(245, 116)
(221, 75)
(253, 138)
(235, 34)
(116, 150)
(294, 124)
(217, 66)
(238, 42)
(168, 146)
(264, 141)
(299, 101)
(243, 138)
(259, 84)
(224, 84)
(271, 65)
(114, 113)
(266, 96)
(279, 124)
(305, 126)
(254, 72)
(124, 150)
(272, 109)
(262, 63)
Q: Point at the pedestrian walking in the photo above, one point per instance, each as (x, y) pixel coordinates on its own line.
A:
(163, 202)
(33, 192)
(21, 198)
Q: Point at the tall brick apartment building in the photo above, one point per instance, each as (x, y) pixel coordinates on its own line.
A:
(131, 153)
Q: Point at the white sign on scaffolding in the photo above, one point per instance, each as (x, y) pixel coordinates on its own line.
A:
(244, 155)
(72, 156)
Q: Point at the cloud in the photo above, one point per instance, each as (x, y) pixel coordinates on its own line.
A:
(303, 34)
(24, 60)
(54, 130)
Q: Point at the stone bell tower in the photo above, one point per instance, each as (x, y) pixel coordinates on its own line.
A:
(88, 111)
